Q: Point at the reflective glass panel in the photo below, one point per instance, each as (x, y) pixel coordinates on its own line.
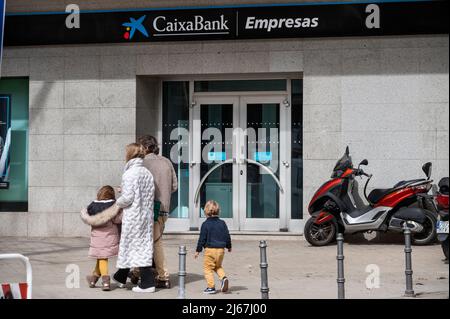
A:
(263, 122)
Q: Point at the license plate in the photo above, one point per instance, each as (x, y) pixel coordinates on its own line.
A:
(442, 227)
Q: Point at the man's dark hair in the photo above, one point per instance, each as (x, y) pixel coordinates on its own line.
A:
(150, 144)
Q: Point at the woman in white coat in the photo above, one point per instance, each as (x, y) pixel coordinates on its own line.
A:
(136, 240)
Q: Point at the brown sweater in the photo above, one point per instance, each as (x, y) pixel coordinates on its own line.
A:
(164, 177)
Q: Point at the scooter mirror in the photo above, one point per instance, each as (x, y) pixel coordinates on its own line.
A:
(364, 162)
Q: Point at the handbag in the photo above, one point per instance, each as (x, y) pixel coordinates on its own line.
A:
(156, 209)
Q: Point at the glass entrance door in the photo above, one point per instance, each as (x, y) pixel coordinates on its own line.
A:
(214, 158)
(237, 155)
(260, 177)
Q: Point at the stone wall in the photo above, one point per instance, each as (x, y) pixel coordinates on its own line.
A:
(385, 97)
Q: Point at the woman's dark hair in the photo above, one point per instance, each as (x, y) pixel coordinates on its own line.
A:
(150, 144)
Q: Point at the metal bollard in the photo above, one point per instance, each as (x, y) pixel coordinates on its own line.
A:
(264, 265)
(340, 266)
(409, 292)
(182, 272)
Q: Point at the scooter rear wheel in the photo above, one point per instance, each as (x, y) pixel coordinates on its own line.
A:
(320, 235)
(428, 235)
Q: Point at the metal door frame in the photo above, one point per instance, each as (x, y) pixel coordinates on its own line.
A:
(266, 224)
(239, 100)
(194, 171)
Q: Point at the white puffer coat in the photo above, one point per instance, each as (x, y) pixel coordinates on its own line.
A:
(136, 240)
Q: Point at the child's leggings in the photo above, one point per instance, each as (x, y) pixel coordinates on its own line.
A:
(101, 268)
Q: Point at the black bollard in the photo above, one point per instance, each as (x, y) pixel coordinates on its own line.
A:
(340, 266)
(264, 265)
(182, 272)
(409, 292)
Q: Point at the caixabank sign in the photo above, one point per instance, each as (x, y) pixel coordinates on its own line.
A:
(223, 23)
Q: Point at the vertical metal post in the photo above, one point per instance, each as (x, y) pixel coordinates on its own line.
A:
(264, 265)
(409, 292)
(182, 272)
(340, 266)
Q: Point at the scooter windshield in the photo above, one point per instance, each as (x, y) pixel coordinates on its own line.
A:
(344, 163)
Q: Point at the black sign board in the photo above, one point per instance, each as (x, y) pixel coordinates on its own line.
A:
(227, 23)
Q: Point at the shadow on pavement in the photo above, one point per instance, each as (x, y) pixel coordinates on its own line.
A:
(190, 277)
(236, 288)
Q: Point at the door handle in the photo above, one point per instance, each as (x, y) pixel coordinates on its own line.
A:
(286, 164)
(197, 192)
(267, 169)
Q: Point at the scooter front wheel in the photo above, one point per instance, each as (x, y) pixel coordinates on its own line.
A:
(320, 235)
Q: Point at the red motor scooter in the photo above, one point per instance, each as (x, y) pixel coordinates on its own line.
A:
(338, 207)
(442, 206)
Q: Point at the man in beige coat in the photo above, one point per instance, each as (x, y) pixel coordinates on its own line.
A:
(166, 183)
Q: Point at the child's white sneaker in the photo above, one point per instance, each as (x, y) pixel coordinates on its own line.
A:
(138, 289)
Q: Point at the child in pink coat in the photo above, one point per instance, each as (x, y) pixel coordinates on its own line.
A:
(104, 217)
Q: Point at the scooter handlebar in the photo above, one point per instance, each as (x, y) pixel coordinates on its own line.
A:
(360, 172)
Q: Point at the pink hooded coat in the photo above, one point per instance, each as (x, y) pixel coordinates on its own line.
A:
(105, 232)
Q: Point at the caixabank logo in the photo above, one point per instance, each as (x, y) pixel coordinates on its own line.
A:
(135, 25)
(143, 27)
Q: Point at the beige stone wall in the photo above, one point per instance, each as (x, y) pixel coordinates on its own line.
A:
(386, 97)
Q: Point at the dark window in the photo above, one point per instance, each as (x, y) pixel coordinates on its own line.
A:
(240, 85)
(175, 141)
(14, 144)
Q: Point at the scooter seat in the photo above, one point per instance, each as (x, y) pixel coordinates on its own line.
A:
(377, 194)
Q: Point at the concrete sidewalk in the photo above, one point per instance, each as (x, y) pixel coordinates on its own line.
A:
(296, 270)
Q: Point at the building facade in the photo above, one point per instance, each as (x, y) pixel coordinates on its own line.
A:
(256, 124)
